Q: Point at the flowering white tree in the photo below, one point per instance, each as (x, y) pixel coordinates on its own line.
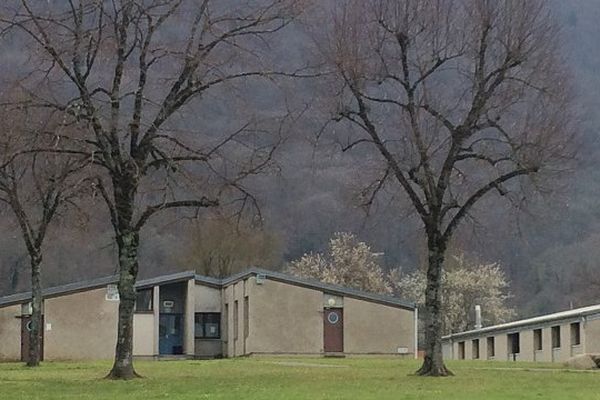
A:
(464, 285)
(348, 262)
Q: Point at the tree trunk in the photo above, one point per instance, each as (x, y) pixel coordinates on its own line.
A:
(36, 312)
(433, 365)
(128, 268)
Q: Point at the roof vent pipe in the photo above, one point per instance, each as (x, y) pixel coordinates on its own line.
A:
(478, 317)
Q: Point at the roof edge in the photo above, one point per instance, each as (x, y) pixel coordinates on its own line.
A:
(315, 284)
(70, 288)
(533, 321)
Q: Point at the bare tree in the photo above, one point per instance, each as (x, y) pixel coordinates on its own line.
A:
(36, 184)
(456, 100)
(130, 70)
(220, 247)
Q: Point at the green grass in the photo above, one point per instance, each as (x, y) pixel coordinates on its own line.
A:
(287, 379)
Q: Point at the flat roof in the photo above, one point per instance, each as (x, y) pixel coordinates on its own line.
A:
(62, 290)
(539, 320)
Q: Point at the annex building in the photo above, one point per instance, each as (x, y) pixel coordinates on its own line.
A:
(252, 313)
(551, 338)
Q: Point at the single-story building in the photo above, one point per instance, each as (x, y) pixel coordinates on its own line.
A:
(252, 313)
(551, 338)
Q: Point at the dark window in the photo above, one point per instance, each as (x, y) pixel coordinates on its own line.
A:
(236, 313)
(207, 325)
(537, 340)
(575, 334)
(514, 345)
(475, 349)
(144, 300)
(556, 337)
(246, 317)
(491, 350)
(461, 350)
(226, 320)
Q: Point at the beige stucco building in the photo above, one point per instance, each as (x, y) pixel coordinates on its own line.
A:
(252, 313)
(550, 338)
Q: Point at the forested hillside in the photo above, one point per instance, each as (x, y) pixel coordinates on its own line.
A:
(549, 246)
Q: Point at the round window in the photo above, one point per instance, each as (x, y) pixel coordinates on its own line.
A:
(333, 317)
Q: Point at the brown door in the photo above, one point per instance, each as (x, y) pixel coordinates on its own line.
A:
(25, 328)
(333, 330)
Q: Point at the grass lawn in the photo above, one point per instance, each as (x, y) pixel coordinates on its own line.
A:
(307, 378)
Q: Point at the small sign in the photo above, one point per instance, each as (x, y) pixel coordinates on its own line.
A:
(402, 350)
(48, 327)
(112, 293)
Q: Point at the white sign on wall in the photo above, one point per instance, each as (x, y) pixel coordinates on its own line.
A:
(112, 293)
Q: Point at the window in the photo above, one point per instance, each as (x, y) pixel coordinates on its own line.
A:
(514, 345)
(207, 325)
(461, 350)
(556, 337)
(537, 340)
(236, 313)
(575, 334)
(143, 300)
(226, 320)
(475, 349)
(491, 347)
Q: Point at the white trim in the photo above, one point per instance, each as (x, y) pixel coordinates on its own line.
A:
(515, 326)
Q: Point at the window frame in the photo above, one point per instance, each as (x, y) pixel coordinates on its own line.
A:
(475, 349)
(575, 327)
(514, 342)
(201, 333)
(461, 350)
(556, 337)
(149, 310)
(538, 340)
(491, 350)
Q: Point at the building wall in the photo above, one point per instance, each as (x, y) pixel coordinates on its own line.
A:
(10, 333)
(189, 344)
(235, 342)
(526, 345)
(83, 326)
(501, 343)
(447, 350)
(545, 355)
(468, 348)
(591, 333)
(588, 331)
(143, 334)
(375, 328)
(284, 318)
(209, 299)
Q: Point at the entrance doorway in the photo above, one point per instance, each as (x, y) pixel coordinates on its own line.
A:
(25, 329)
(170, 334)
(333, 330)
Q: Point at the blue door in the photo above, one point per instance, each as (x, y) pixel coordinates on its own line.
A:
(170, 334)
